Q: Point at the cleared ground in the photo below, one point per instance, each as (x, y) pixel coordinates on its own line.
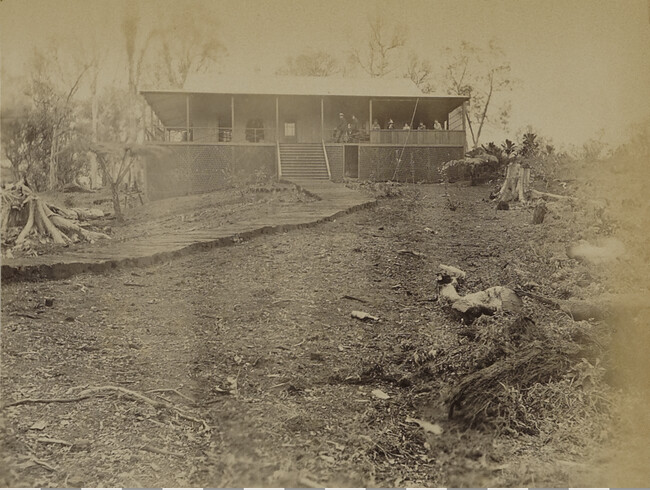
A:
(258, 342)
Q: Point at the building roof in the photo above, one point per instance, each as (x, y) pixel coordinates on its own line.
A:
(319, 86)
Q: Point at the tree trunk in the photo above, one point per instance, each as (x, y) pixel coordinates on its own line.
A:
(53, 170)
(117, 208)
(516, 185)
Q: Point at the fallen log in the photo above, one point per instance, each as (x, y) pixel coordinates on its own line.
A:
(549, 196)
(473, 305)
(605, 307)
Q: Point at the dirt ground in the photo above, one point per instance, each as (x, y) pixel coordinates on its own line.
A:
(265, 378)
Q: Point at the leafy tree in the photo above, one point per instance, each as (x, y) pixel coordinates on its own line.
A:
(383, 45)
(26, 143)
(479, 74)
(311, 64)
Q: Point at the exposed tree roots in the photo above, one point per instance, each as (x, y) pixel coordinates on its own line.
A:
(42, 219)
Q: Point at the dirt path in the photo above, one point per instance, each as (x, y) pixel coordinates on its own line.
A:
(260, 340)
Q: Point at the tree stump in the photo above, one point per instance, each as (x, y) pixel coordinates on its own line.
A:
(517, 182)
(539, 213)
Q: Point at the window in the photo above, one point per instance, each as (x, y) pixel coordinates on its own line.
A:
(289, 128)
(255, 130)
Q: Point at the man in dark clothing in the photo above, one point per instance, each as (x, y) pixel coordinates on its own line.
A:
(354, 128)
(341, 128)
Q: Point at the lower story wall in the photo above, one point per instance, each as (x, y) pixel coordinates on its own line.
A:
(413, 163)
(336, 158)
(179, 170)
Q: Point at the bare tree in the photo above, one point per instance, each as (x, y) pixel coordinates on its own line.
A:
(55, 81)
(188, 44)
(116, 161)
(137, 42)
(312, 64)
(479, 74)
(420, 72)
(383, 43)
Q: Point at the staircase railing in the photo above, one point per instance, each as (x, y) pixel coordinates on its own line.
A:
(327, 160)
(277, 146)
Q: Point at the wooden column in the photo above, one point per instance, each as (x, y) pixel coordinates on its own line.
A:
(322, 119)
(370, 116)
(277, 119)
(232, 118)
(465, 126)
(148, 121)
(187, 117)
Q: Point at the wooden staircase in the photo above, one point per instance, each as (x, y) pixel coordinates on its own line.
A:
(303, 161)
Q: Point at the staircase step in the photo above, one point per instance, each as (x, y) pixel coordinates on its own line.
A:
(303, 161)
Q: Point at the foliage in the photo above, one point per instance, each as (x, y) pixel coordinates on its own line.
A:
(116, 161)
(529, 147)
(508, 147)
(26, 143)
(520, 367)
(592, 149)
(383, 46)
(45, 130)
(480, 74)
(638, 144)
(478, 167)
(496, 151)
(310, 63)
(540, 155)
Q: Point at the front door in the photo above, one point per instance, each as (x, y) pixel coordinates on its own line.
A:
(290, 131)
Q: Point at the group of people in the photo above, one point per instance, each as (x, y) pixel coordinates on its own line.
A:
(391, 125)
(352, 130)
(347, 131)
(436, 125)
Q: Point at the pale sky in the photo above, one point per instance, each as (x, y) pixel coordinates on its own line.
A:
(582, 65)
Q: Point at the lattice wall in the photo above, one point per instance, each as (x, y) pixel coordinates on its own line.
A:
(193, 169)
(413, 164)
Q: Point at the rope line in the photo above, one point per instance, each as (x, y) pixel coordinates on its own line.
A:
(401, 153)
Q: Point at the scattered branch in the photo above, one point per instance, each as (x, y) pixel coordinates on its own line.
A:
(91, 392)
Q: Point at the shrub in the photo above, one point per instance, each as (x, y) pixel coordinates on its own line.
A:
(477, 169)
